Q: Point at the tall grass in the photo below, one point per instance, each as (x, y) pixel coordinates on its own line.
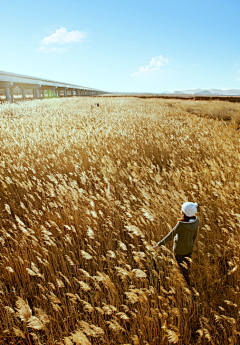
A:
(218, 110)
(85, 193)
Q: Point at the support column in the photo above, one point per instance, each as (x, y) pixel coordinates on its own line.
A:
(72, 92)
(12, 94)
(65, 93)
(37, 93)
(78, 92)
(23, 94)
(7, 92)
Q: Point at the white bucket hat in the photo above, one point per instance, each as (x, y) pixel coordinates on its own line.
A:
(189, 208)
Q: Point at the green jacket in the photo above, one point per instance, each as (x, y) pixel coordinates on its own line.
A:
(184, 234)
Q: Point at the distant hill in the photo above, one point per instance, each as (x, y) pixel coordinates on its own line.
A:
(191, 92)
(230, 92)
(204, 92)
(177, 93)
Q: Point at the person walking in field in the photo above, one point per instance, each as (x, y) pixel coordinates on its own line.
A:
(184, 235)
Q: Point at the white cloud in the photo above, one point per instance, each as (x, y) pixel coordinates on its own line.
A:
(62, 36)
(155, 65)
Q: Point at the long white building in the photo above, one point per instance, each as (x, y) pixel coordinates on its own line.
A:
(9, 82)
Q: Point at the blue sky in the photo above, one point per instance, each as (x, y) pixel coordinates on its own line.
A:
(125, 46)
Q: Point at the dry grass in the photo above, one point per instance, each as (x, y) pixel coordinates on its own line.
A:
(218, 110)
(85, 193)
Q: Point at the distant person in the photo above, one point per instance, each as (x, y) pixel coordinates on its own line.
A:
(184, 234)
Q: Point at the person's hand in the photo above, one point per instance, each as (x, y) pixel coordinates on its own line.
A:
(155, 247)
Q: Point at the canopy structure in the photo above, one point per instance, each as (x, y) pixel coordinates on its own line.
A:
(9, 81)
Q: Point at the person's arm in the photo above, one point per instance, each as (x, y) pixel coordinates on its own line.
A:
(169, 236)
(195, 235)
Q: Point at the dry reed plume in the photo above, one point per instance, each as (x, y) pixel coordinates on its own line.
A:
(84, 194)
(218, 110)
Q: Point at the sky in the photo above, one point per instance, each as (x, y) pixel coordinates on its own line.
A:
(124, 46)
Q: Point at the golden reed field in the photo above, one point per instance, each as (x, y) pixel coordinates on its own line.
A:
(84, 194)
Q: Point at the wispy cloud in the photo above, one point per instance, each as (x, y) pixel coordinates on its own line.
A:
(62, 36)
(155, 65)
